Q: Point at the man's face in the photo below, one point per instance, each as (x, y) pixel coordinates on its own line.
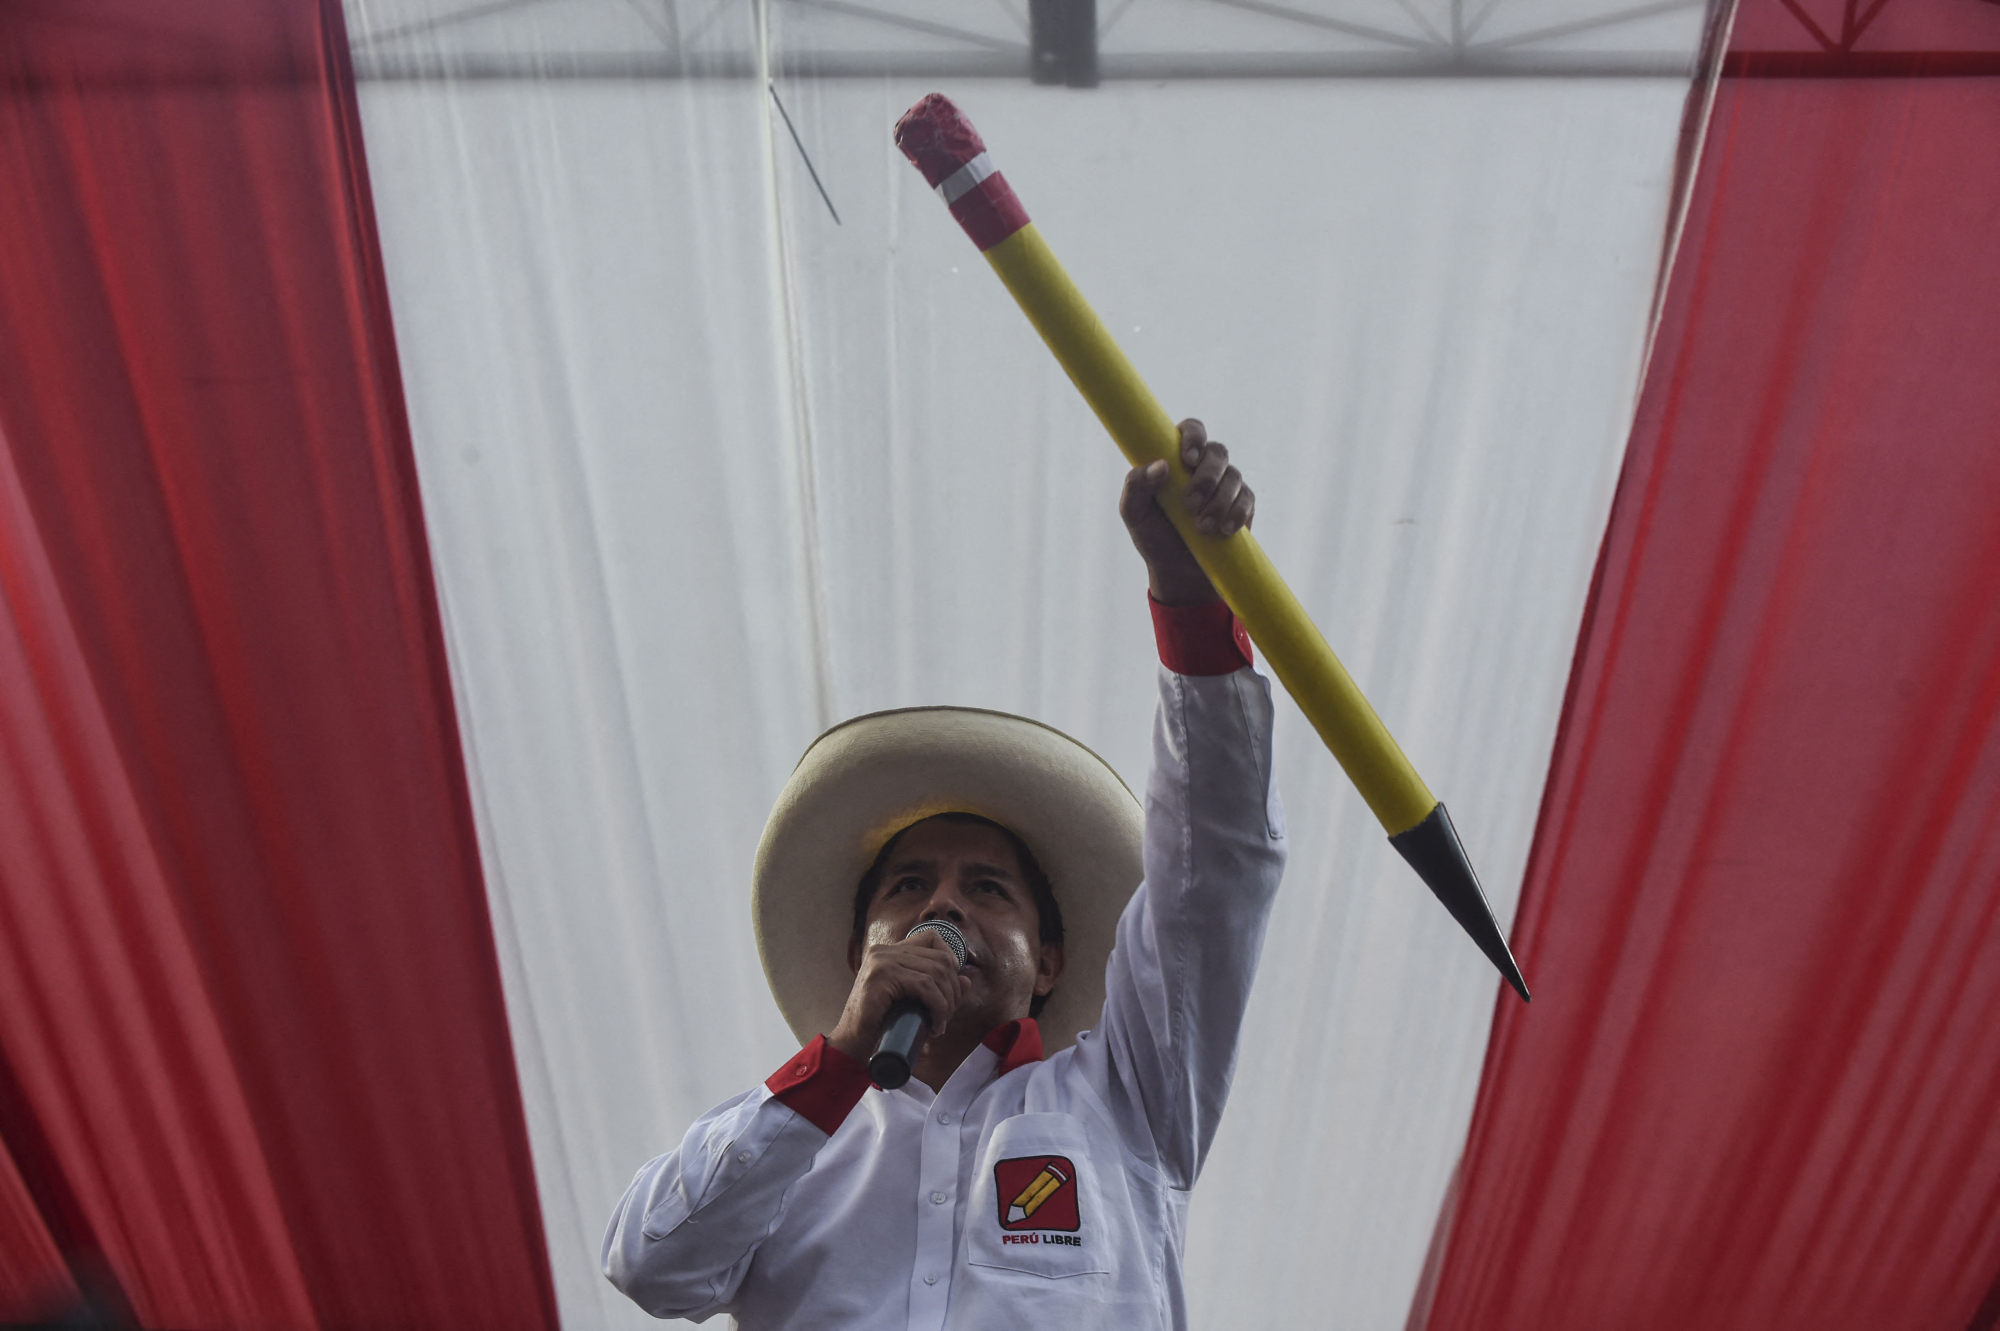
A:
(969, 874)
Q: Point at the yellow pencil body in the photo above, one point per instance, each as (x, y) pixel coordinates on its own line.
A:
(1039, 1189)
(1237, 565)
(939, 141)
(1031, 1196)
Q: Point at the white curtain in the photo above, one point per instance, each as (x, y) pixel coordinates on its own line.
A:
(705, 470)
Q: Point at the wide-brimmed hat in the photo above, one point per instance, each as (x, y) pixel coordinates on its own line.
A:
(866, 779)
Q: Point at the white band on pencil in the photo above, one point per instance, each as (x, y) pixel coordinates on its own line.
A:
(966, 179)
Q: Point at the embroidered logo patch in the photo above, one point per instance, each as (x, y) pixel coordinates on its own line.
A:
(1037, 1192)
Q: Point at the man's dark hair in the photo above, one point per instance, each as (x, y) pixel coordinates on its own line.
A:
(1048, 913)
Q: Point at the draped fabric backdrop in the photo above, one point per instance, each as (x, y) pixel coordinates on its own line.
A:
(1757, 1085)
(255, 1056)
(706, 469)
(387, 722)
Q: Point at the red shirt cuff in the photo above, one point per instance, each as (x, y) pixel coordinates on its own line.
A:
(1205, 639)
(820, 1084)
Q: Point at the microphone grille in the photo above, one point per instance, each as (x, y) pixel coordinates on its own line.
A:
(946, 930)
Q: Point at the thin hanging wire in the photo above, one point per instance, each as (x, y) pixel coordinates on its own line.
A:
(803, 154)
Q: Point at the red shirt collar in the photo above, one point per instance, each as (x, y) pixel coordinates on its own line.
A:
(1019, 1042)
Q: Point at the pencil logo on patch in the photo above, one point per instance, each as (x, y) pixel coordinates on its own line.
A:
(1037, 1192)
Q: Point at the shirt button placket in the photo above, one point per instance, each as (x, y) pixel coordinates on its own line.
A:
(930, 1286)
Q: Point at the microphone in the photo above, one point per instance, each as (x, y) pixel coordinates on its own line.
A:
(903, 1028)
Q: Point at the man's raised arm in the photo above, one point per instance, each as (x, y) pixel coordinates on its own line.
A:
(1188, 942)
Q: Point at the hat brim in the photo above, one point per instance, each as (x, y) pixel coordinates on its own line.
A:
(868, 778)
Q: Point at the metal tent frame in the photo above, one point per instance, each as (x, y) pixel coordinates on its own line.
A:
(1048, 41)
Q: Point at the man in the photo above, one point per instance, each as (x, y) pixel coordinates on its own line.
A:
(1035, 1170)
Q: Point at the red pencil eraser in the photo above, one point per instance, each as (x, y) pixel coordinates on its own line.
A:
(940, 142)
(937, 138)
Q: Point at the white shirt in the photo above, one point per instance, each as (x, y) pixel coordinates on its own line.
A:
(1025, 1192)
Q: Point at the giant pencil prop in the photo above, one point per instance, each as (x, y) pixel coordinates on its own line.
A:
(942, 144)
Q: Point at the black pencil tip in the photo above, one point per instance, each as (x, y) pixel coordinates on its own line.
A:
(1433, 850)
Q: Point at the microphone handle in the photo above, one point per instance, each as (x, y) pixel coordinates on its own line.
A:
(902, 1031)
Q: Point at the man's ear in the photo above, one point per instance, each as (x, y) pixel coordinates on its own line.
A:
(854, 955)
(1049, 969)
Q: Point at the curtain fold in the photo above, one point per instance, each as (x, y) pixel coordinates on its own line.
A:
(248, 992)
(1756, 1086)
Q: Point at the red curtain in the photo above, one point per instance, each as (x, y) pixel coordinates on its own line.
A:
(1759, 1085)
(254, 1061)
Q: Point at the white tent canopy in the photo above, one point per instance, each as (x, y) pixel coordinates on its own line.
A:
(706, 469)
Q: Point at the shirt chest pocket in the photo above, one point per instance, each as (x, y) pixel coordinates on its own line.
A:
(1037, 1204)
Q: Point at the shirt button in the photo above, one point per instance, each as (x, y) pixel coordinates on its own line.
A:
(931, 1279)
(944, 1118)
(937, 1199)
(743, 1157)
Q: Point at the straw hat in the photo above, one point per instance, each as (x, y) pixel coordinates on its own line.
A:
(866, 779)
